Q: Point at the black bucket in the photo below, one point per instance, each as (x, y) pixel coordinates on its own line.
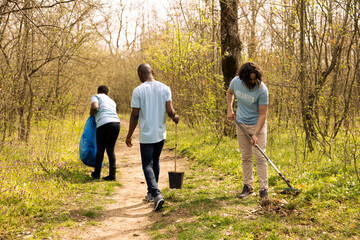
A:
(176, 179)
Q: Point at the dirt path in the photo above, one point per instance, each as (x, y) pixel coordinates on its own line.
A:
(129, 216)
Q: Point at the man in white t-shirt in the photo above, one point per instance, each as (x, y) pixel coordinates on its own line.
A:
(150, 102)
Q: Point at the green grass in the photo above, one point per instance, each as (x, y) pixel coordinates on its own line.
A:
(44, 185)
(207, 207)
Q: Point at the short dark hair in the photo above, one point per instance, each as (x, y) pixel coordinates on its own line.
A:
(248, 68)
(103, 89)
(144, 68)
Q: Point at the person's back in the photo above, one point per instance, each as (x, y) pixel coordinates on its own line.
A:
(107, 109)
(150, 102)
(151, 98)
(107, 131)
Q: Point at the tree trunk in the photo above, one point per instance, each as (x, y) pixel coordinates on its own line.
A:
(23, 62)
(230, 40)
(311, 90)
(306, 101)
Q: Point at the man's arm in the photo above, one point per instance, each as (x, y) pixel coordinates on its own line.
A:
(94, 108)
(230, 101)
(260, 123)
(134, 117)
(171, 112)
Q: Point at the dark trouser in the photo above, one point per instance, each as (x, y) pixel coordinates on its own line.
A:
(150, 155)
(106, 136)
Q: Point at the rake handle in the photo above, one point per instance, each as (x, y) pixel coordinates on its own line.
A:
(266, 157)
(175, 144)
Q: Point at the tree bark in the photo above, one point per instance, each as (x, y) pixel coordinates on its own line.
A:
(311, 90)
(230, 41)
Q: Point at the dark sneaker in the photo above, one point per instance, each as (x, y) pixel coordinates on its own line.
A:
(94, 176)
(158, 202)
(109, 178)
(264, 195)
(149, 197)
(246, 192)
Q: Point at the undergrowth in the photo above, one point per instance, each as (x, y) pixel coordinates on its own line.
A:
(44, 185)
(207, 206)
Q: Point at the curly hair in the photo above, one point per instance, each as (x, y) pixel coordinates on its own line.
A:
(246, 70)
(103, 89)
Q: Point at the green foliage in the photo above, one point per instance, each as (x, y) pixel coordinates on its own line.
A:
(207, 206)
(189, 64)
(44, 73)
(43, 184)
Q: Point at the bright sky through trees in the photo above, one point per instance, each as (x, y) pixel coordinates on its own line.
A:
(127, 17)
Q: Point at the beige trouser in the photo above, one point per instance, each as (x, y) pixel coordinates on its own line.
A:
(246, 149)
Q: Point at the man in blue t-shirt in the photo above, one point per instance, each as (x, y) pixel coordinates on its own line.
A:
(150, 102)
(252, 98)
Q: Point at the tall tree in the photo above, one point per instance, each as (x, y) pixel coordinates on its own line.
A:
(230, 41)
(39, 46)
(320, 57)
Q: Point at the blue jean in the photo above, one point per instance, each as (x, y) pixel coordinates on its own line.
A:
(150, 156)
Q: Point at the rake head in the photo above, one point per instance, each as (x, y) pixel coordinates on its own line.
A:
(291, 191)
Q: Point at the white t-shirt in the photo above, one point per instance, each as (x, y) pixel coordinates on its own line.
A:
(151, 98)
(107, 109)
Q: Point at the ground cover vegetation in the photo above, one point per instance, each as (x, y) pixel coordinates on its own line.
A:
(44, 185)
(54, 54)
(208, 208)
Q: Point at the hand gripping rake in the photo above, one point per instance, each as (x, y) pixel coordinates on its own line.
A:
(290, 190)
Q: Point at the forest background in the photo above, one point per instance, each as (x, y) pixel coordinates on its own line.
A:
(54, 55)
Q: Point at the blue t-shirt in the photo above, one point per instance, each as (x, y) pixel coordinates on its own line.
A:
(151, 98)
(107, 110)
(249, 100)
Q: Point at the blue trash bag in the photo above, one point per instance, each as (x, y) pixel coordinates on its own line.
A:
(87, 146)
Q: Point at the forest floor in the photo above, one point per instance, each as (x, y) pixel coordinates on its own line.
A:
(207, 206)
(128, 216)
